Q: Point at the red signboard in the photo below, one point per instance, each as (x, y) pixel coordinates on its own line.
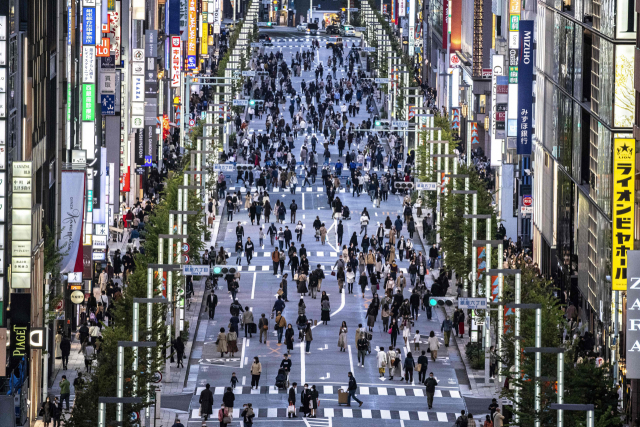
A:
(527, 200)
(486, 73)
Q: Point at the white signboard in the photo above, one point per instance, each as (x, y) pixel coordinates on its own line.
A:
(138, 55)
(195, 270)
(224, 168)
(382, 80)
(88, 64)
(176, 61)
(99, 242)
(472, 303)
(74, 277)
(137, 109)
(217, 17)
(400, 123)
(426, 186)
(3, 79)
(137, 94)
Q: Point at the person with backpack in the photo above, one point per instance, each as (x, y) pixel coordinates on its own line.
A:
(462, 420)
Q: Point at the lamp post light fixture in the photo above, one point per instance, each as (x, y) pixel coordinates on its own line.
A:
(474, 230)
(576, 407)
(102, 407)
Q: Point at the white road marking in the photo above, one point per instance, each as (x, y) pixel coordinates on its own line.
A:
(242, 356)
(302, 364)
(442, 416)
(253, 287)
(350, 355)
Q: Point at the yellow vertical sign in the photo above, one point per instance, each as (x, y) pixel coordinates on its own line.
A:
(624, 167)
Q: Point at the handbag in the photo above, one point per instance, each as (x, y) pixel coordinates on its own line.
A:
(226, 419)
(418, 367)
(390, 330)
(333, 273)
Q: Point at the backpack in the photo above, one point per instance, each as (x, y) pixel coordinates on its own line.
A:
(462, 421)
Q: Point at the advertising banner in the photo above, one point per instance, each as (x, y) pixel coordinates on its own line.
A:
(88, 64)
(115, 33)
(72, 218)
(402, 8)
(217, 16)
(525, 87)
(445, 23)
(497, 62)
(88, 102)
(481, 264)
(191, 35)
(632, 328)
(89, 26)
(624, 167)
(176, 61)
(475, 139)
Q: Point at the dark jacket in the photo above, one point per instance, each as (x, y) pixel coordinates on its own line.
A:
(292, 395)
(431, 384)
(206, 402)
(352, 383)
(228, 398)
(65, 346)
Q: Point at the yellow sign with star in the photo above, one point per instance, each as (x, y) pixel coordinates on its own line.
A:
(624, 170)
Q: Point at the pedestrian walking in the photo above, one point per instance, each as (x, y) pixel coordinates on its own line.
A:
(446, 327)
(363, 347)
(352, 388)
(409, 365)
(289, 338)
(247, 414)
(342, 337)
(212, 303)
(221, 342)
(381, 359)
(308, 337)
(291, 409)
(65, 350)
(263, 326)
(430, 384)
(434, 345)
(206, 402)
(224, 416)
(46, 411)
(256, 371)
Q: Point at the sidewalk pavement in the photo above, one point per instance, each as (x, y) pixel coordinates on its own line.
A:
(477, 386)
(172, 384)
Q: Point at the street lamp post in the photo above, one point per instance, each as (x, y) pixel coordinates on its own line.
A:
(474, 211)
(120, 368)
(575, 407)
(518, 292)
(487, 292)
(560, 369)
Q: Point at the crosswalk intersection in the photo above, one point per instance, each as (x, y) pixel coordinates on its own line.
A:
(333, 390)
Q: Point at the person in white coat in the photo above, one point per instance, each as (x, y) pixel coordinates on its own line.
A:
(382, 362)
(434, 345)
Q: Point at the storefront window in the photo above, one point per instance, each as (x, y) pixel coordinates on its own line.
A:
(482, 104)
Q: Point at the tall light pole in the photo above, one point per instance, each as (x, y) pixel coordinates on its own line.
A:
(560, 370)
(120, 370)
(518, 293)
(576, 407)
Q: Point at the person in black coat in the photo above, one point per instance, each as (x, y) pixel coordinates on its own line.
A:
(65, 349)
(206, 402)
(212, 302)
(423, 361)
(340, 232)
(292, 399)
(305, 398)
(228, 398)
(178, 345)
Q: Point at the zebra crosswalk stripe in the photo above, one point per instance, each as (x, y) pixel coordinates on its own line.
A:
(342, 412)
(332, 390)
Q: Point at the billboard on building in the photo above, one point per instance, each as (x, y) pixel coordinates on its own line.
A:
(71, 220)
(191, 35)
(632, 328)
(624, 166)
(497, 62)
(525, 88)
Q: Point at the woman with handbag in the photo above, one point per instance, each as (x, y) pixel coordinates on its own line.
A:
(381, 359)
(224, 416)
(314, 401)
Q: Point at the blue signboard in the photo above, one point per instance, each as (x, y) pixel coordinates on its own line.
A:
(191, 62)
(108, 103)
(525, 87)
(89, 26)
(148, 161)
